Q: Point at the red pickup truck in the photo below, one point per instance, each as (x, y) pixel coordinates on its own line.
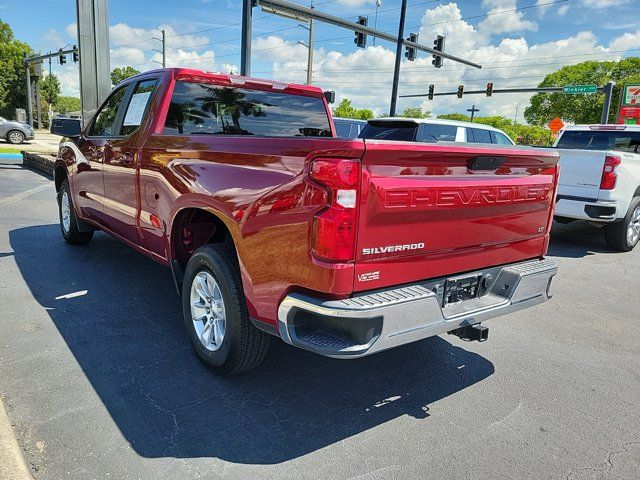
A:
(273, 226)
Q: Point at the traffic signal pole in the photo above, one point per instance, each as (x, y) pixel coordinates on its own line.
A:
(293, 10)
(396, 70)
(606, 89)
(38, 59)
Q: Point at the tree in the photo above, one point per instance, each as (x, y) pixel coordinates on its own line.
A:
(67, 104)
(581, 108)
(50, 89)
(122, 73)
(346, 110)
(525, 134)
(461, 117)
(12, 75)
(414, 112)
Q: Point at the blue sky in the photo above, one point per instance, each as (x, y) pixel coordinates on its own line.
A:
(517, 41)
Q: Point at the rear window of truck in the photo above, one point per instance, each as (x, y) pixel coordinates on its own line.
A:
(599, 140)
(206, 109)
(390, 130)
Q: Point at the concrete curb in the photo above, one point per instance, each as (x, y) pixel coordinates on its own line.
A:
(12, 463)
(39, 161)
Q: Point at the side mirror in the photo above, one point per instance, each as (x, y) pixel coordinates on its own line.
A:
(66, 127)
(330, 96)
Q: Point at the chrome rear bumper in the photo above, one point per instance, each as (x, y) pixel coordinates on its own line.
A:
(371, 322)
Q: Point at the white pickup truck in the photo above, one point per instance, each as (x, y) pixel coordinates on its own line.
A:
(600, 180)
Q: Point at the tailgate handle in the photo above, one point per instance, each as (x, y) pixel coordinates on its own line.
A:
(485, 163)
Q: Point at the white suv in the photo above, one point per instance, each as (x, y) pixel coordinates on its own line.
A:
(431, 130)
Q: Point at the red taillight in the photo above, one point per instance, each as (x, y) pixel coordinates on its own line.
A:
(608, 181)
(334, 228)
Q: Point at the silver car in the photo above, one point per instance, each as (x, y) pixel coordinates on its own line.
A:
(15, 132)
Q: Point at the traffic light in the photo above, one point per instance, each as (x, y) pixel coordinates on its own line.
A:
(411, 52)
(431, 89)
(62, 58)
(460, 91)
(438, 44)
(489, 89)
(75, 54)
(361, 38)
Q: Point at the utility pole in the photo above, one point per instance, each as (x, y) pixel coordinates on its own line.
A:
(310, 56)
(396, 71)
(473, 110)
(38, 103)
(606, 108)
(245, 47)
(164, 47)
(28, 85)
(164, 50)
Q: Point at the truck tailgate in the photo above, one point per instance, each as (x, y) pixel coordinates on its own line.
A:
(431, 210)
(581, 171)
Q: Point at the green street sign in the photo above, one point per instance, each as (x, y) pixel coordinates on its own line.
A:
(577, 89)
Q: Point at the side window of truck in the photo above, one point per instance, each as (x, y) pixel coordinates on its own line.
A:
(500, 139)
(208, 109)
(105, 122)
(479, 135)
(137, 106)
(432, 132)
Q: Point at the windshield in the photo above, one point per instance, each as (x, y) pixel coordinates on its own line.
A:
(600, 140)
(404, 131)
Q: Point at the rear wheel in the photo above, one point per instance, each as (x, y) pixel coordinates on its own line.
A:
(624, 235)
(15, 137)
(68, 221)
(215, 313)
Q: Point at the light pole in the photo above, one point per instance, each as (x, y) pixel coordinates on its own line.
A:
(375, 21)
(396, 70)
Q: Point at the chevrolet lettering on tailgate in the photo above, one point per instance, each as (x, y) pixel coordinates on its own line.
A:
(459, 197)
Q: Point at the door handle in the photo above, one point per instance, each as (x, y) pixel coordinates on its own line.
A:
(97, 152)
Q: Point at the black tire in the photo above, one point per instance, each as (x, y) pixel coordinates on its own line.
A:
(617, 233)
(69, 229)
(243, 346)
(15, 137)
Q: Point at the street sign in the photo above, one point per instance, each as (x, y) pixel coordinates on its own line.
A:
(578, 89)
(556, 125)
(631, 95)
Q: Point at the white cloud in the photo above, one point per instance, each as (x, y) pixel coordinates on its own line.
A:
(503, 17)
(562, 11)
(626, 41)
(599, 4)
(53, 38)
(72, 30)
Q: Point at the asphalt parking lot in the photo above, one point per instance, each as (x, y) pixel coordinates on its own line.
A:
(99, 379)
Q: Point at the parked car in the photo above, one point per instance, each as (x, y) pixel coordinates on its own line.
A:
(348, 127)
(15, 132)
(271, 225)
(600, 180)
(431, 130)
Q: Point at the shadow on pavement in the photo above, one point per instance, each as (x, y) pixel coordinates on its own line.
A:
(126, 333)
(576, 240)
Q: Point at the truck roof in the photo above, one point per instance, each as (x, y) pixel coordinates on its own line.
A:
(236, 80)
(599, 126)
(439, 121)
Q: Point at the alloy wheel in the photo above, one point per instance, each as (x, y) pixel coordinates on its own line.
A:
(207, 311)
